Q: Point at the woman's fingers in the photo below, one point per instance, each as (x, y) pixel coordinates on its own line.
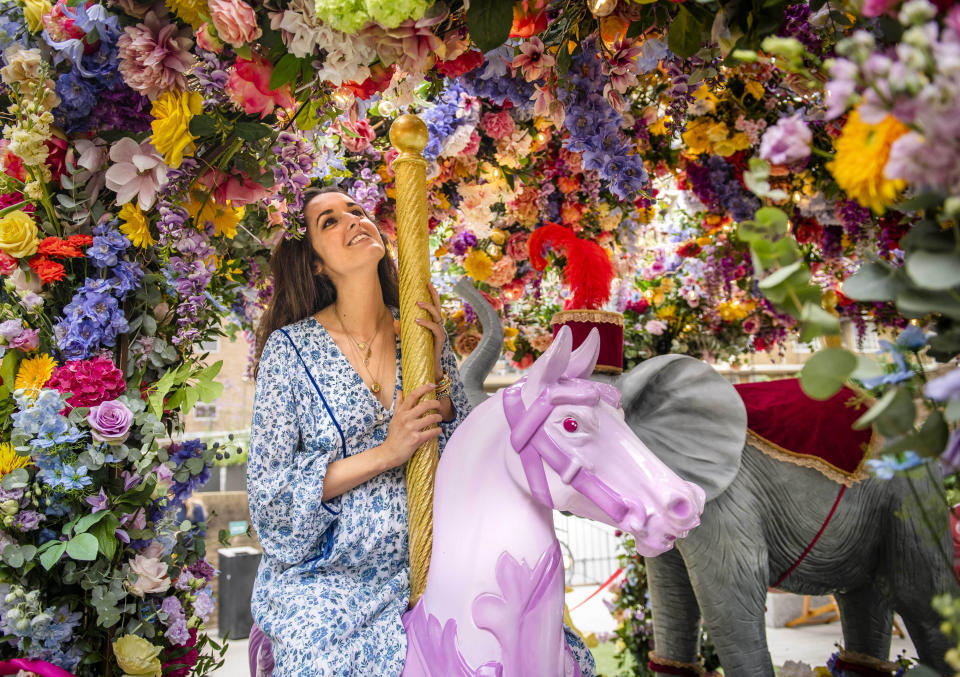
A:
(433, 309)
(412, 399)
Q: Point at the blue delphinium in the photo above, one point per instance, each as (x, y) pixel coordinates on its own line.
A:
(94, 318)
(44, 634)
(446, 117)
(180, 454)
(887, 466)
(902, 371)
(13, 26)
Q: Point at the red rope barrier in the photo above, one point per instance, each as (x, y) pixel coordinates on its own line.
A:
(598, 590)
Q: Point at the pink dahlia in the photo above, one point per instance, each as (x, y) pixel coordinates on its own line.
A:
(155, 56)
(92, 381)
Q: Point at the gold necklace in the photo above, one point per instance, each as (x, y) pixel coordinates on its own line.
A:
(364, 349)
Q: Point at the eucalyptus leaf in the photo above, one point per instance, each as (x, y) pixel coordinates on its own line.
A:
(780, 276)
(15, 479)
(933, 435)
(83, 547)
(873, 282)
(934, 270)
(867, 368)
(920, 302)
(893, 414)
(823, 374)
(13, 556)
(49, 557)
(816, 322)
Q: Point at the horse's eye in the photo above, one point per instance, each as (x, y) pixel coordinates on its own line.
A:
(570, 424)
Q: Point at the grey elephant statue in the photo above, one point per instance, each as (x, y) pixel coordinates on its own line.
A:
(874, 554)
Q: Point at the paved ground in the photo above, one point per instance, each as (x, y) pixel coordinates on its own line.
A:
(811, 644)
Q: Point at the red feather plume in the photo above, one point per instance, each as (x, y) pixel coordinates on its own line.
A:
(588, 271)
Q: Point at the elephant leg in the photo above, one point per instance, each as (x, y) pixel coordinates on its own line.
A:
(731, 588)
(867, 619)
(676, 616)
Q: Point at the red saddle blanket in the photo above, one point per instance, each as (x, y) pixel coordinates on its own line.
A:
(783, 422)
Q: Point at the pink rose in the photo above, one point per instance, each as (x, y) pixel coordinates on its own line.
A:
(151, 576)
(8, 264)
(110, 422)
(208, 40)
(249, 87)
(356, 136)
(655, 327)
(235, 21)
(238, 190)
(516, 247)
(498, 125)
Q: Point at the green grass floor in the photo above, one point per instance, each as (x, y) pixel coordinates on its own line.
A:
(604, 656)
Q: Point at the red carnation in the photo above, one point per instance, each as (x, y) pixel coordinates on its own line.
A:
(47, 269)
(690, 248)
(464, 63)
(54, 246)
(807, 231)
(80, 240)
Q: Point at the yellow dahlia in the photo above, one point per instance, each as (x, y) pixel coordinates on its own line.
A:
(191, 11)
(172, 112)
(862, 153)
(478, 265)
(34, 374)
(135, 226)
(10, 460)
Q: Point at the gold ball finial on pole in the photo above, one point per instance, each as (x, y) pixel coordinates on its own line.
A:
(409, 135)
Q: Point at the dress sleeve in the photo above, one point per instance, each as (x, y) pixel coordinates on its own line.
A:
(284, 476)
(458, 397)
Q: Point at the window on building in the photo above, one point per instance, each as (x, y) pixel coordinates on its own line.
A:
(210, 346)
(805, 348)
(205, 411)
(870, 343)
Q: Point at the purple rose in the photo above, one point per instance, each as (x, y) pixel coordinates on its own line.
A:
(787, 142)
(28, 520)
(110, 422)
(28, 340)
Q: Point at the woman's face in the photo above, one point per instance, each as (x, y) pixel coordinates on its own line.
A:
(342, 235)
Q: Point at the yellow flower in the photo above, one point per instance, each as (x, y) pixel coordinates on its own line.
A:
(667, 312)
(696, 137)
(191, 11)
(33, 11)
(225, 218)
(659, 128)
(510, 338)
(704, 94)
(10, 460)
(728, 147)
(862, 154)
(34, 374)
(731, 311)
(135, 226)
(755, 88)
(136, 656)
(172, 112)
(18, 234)
(478, 265)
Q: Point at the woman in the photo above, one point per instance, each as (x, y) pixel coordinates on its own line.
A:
(331, 432)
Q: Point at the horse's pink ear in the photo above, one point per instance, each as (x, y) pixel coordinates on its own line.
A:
(549, 367)
(584, 358)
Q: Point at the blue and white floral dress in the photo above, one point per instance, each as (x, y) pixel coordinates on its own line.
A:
(333, 581)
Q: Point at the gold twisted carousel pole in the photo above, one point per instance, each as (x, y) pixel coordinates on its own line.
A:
(409, 136)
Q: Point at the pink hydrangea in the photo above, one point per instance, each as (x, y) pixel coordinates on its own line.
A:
(249, 87)
(498, 125)
(91, 381)
(155, 56)
(235, 21)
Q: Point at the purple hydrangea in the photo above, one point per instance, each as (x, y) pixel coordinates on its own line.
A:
(787, 142)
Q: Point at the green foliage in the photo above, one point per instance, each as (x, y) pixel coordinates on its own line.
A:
(489, 23)
(183, 387)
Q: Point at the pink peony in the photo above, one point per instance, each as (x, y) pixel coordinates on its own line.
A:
(249, 87)
(155, 56)
(110, 422)
(498, 125)
(503, 272)
(235, 21)
(655, 327)
(91, 381)
(137, 171)
(8, 264)
(358, 135)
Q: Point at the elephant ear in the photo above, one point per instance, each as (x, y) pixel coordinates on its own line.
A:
(689, 416)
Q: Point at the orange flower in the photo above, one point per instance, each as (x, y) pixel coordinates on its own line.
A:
(529, 18)
(568, 184)
(47, 269)
(54, 246)
(80, 240)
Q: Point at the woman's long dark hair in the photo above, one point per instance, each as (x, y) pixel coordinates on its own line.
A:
(298, 292)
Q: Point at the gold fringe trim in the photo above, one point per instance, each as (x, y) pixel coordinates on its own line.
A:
(608, 369)
(867, 661)
(825, 468)
(676, 664)
(601, 316)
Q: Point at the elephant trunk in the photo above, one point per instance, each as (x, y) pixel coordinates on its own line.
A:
(478, 364)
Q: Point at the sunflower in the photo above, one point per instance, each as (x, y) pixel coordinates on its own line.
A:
(34, 374)
(478, 265)
(862, 153)
(135, 226)
(10, 460)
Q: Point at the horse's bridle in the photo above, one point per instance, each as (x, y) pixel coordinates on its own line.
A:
(535, 446)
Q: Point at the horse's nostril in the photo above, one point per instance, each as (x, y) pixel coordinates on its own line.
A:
(679, 507)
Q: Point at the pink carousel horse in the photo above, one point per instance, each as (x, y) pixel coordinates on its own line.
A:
(493, 605)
